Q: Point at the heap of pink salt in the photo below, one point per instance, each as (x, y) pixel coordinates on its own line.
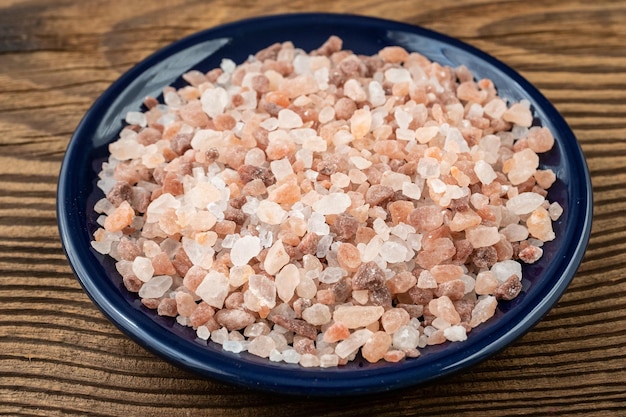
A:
(306, 208)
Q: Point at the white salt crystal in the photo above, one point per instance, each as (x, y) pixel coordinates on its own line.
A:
(329, 360)
(255, 157)
(136, 118)
(372, 249)
(245, 249)
(214, 289)
(397, 75)
(394, 180)
(214, 100)
(393, 252)
(360, 162)
(125, 149)
(525, 203)
(309, 360)
(269, 124)
(326, 114)
(317, 224)
(402, 230)
(281, 168)
(340, 180)
(455, 142)
(156, 287)
(406, 337)
(357, 176)
(484, 172)
(142, 268)
(555, 210)
(291, 356)
(202, 332)
(428, 167)
(376, 93)
(334, 203)
(276, 356)
(455, 333)
(220, 335)
(504, 269)
(353, 89)
(515, 232)
(331, 275)
(288, 119)
(350, 345)
(235, 346)
(426, 133)
(318, 314)
(411, 190)
(405, 134)
(414, 240)
(200, 254)
(270, 212)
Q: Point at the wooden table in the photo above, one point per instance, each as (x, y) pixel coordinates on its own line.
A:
(60, 356)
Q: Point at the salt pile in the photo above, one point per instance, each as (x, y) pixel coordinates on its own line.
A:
(309, 208)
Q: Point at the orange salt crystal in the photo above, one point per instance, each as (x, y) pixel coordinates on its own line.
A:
(400, 211)
(278, 99)
(336, 332)
(401, 282)
(120, 218)
(376, 347)
(348, 257)
(185, 303)
(394, 356)
(163, 265)
(288, 194)
(539, 225)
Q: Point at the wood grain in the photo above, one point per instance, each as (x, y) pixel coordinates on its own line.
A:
(60, 356)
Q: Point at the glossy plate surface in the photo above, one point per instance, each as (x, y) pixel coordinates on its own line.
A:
(544, 282)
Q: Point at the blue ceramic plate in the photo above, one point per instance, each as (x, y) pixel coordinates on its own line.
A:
(544, 282)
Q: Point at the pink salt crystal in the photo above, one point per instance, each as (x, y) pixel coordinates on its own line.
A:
(530, 254)
(539, 225)
(447, 272)
(376, 347)
(514, 232)
(142, 268)
(447, 311)
(393, 319)
(401, 282)
(555, 210)
(288, 119)
(484, 309)
(276, 258)
(545, 178)
(453, 289)
(287, 280)
(360, 123)
(185, 303)
(167, 307)
(518, 114)
(354, 317)
(201, 315)
(426, 218)
(234, 319)
(463, 220)
(481, 236)
(540, 139)
(261, 346)
(521, 166)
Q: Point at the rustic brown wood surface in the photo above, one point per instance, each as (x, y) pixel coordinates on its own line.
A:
(60, 356)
